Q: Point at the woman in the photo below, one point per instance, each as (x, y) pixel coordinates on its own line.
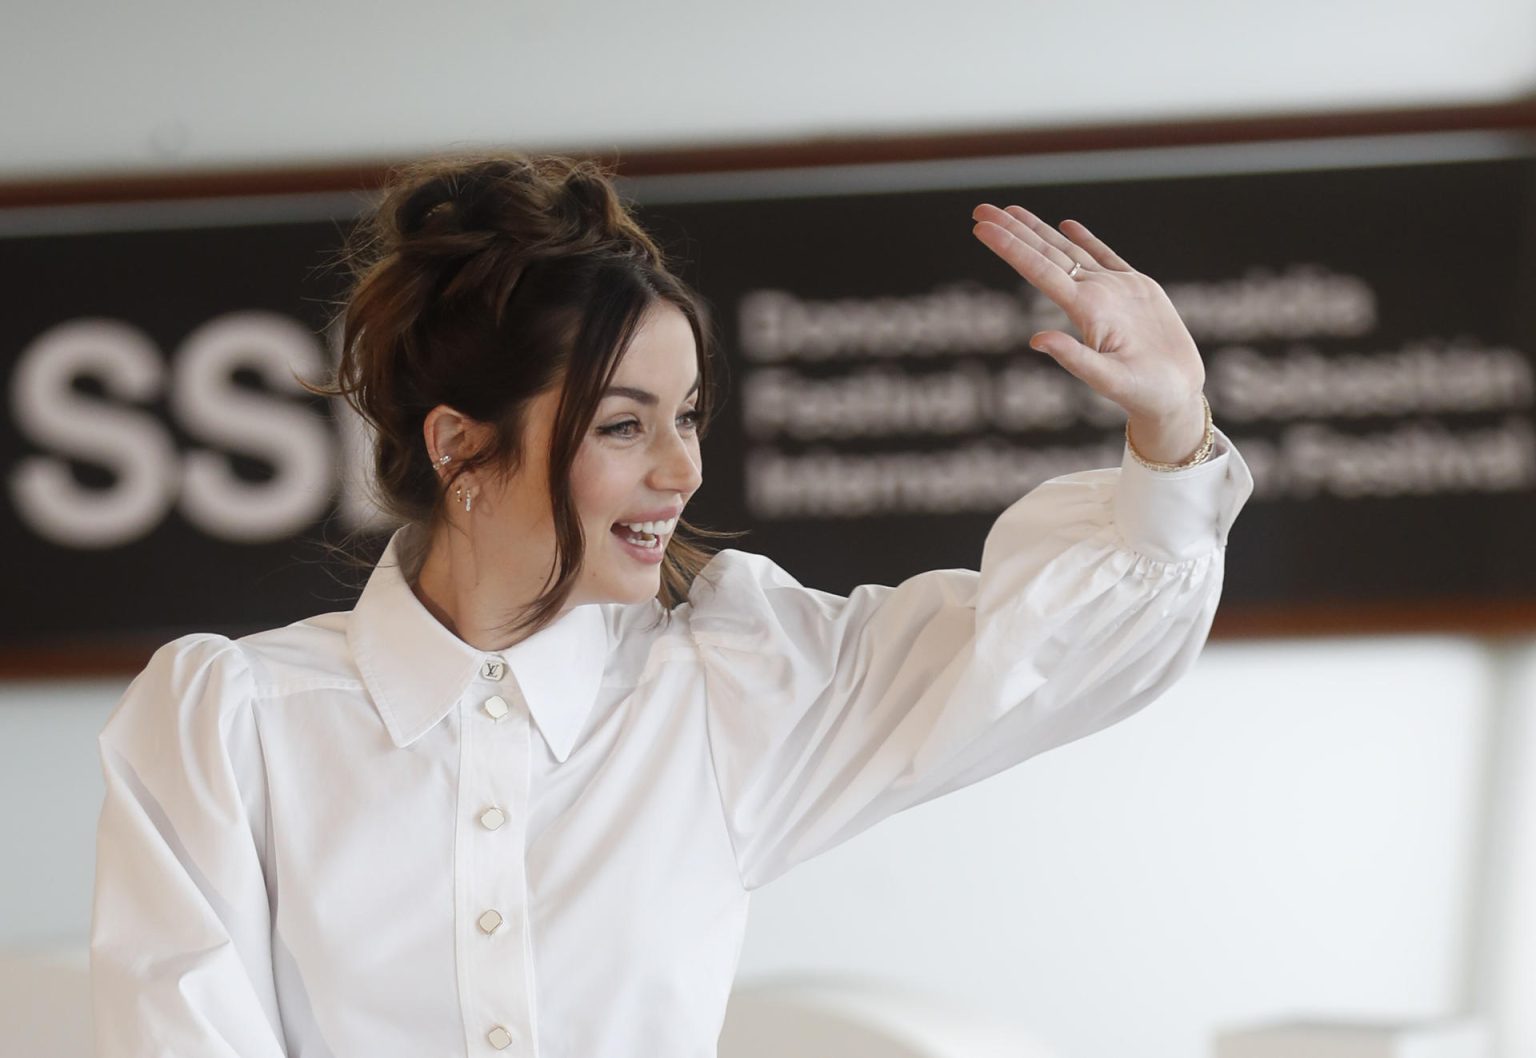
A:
(516, 799)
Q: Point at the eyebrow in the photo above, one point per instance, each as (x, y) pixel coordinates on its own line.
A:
(644, 396)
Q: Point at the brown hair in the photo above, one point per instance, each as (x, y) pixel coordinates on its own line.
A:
(481, 283)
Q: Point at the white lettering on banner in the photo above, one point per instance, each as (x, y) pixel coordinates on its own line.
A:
(1039, 398)
(881, 402)
(967, 318)
(1424, 376)
(865, 403)
(292, 439)
(129, 442)
(992, 385)
(1302, 302)
(777, 325)
(1414, 459)
(984, 477)
(149, 476)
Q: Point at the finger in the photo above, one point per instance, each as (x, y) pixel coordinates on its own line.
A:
(1020, 230)
(1094, 245)
(1104, 376)
(1029, 262)
(1073, 253)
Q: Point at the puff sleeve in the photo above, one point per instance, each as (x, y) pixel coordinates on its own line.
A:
(826, 714)
(180, 945)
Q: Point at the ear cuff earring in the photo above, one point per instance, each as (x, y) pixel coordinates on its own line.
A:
(460, 493)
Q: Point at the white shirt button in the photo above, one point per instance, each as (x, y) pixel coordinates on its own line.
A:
(496, 706)
(493, 669)
(500, 1038)
(490, 921)
(493, 818)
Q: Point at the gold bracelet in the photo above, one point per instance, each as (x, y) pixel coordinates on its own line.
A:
(1201, 454)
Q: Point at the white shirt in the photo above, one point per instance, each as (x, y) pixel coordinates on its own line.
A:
(358, 836)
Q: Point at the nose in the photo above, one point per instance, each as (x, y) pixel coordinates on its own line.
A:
(678, 466)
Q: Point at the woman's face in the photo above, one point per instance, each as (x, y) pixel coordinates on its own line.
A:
(638, 463)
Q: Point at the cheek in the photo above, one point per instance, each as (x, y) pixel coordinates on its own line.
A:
(599, 485)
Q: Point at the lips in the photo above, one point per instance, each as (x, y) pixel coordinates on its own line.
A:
(649, 555)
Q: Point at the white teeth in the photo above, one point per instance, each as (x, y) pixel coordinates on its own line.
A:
(654, 528)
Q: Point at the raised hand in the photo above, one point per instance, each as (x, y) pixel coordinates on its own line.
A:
(1134, 350)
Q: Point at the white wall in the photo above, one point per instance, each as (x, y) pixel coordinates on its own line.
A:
(50, 785)
(1503, 949)
(93, 86)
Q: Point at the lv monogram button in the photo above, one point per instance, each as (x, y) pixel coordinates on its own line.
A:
(493, 669)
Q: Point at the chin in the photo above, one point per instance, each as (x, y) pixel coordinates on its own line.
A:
(637, 593)
(628, 582)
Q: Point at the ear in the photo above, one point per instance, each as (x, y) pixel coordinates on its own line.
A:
(449, 432)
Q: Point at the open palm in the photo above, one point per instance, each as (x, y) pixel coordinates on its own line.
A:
(1134, 350)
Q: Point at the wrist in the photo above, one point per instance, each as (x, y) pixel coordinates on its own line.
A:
(1171, 440)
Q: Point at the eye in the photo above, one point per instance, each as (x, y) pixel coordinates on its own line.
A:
(626, 429)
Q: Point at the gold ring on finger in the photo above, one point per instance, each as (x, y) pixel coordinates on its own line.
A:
(1077, 266)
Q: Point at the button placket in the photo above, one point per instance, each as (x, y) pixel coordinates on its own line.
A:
(496, 980)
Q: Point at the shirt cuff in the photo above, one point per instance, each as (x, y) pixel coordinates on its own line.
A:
(1179, 515)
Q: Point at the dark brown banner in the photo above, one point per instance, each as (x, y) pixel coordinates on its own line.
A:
(1368, 332)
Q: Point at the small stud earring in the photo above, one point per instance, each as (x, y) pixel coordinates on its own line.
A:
(442, 461)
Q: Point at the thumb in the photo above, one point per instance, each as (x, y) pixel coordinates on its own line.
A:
(1100, 372)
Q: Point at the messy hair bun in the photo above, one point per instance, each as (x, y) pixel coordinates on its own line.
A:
(480, 284)
(545, 206)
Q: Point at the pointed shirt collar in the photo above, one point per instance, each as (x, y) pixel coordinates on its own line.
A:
(416, 670)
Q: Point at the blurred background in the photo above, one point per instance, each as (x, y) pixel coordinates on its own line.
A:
(1324, 837)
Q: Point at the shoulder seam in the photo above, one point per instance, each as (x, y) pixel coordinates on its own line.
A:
(261, 686)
